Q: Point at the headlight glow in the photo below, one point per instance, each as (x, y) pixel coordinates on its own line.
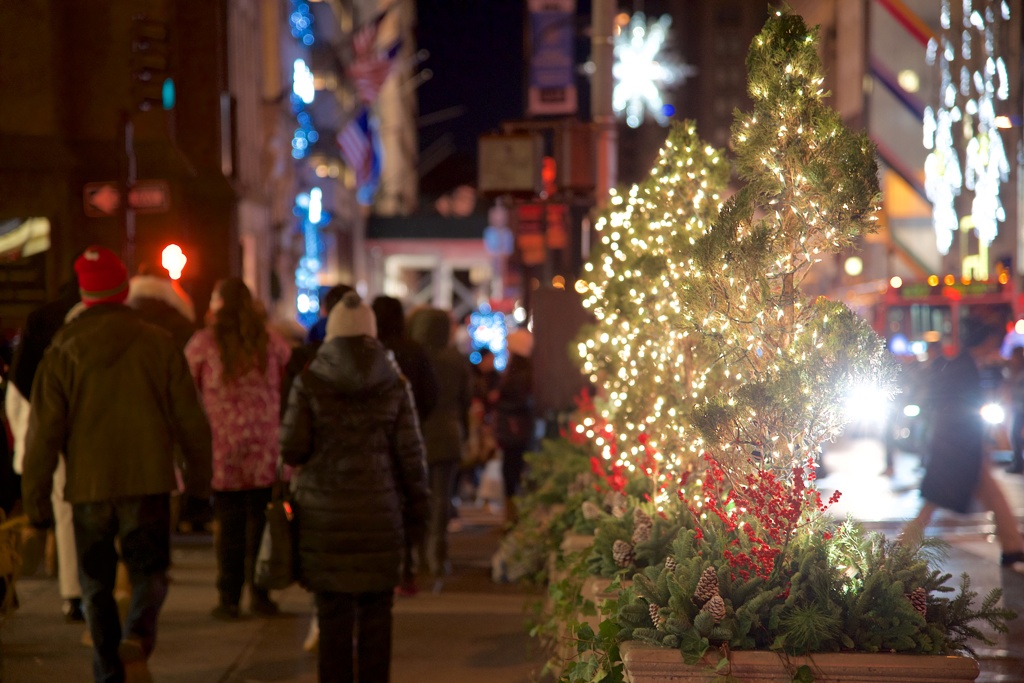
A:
(911, 410)
(993, 413)
(866, 403)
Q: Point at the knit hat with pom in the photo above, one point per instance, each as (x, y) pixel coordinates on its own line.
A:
(102, 278)
(350, 317)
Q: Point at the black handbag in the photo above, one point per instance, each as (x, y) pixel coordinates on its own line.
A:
(275, 563)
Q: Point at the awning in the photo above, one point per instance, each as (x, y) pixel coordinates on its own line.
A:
(23, 237)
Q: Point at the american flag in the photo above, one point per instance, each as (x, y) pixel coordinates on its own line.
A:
(356, 144)
(370, 67)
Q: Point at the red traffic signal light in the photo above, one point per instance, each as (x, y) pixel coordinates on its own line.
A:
(173, 259)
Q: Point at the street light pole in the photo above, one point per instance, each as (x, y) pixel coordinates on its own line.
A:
(602, 54)
(127, 181)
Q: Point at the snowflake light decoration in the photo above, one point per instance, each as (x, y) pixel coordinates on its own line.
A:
(642, 72)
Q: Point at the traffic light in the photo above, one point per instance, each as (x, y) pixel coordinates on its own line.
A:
(173, 259)
(152, 85)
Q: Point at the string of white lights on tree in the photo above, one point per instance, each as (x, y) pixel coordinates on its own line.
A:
(704, 339)
(969, 101)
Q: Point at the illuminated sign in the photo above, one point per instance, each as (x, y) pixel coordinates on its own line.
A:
(953, 291)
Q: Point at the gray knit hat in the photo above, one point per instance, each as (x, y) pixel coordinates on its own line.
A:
(351, 318)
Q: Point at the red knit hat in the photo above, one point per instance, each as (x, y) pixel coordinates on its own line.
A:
(102, 278)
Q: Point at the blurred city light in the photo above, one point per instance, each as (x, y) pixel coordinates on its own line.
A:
(173, 259)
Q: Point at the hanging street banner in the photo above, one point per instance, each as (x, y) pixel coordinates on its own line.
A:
(552, 84)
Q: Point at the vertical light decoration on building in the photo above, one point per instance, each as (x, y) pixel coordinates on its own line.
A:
(301, 21)
(309, 210)
(969, 100)
(642, 70)
(308, 205)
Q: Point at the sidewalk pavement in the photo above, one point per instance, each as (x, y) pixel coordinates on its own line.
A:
(468, 628)
(464, 629)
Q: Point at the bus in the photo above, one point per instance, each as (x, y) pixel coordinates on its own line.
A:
(912, 315)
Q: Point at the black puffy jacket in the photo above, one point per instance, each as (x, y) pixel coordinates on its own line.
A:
(351, 426)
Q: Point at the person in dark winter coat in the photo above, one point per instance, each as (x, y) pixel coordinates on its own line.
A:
(114, 394)
(160, 302)
(412, 358)
(415, 364)
(446, 430)
(514, 419)
(959, 468)
(361, 489)
(40, 327)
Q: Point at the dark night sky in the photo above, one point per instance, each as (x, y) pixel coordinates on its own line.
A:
(476, 55)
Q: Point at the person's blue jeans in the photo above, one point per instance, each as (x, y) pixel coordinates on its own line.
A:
(143, 525)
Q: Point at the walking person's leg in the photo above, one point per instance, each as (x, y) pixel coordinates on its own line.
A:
(145, 535)
(442, 476)
(1007, 531)
(913, 532)
(256, 518)
(146, 550)
(230, 511)
(95, 527)
(67, 558)
(373, 647)
(1017, 439)
(337, 614)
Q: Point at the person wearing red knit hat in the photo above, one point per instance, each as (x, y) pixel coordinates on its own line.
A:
(102, 278)
(114, 394)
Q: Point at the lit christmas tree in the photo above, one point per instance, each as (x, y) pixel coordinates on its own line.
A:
(810, 189)
(652, 371)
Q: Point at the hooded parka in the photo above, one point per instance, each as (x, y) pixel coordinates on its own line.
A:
(446, 428)
(351, 425)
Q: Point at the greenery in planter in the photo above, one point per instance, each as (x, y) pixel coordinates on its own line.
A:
(764, 568)
(622, 545)
(756, 564)
(567, 487)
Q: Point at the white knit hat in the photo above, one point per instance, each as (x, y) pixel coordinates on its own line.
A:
(350, 317)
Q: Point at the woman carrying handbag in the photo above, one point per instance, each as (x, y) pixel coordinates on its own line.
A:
(351, 424)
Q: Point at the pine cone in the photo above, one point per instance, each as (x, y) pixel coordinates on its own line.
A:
(715, 607)
(670, 564)
(707, 586)
(591, 510)
(642, 525)
(919, 599)
(656, 615)
(582, 483)
(615, 503)
(622, 553)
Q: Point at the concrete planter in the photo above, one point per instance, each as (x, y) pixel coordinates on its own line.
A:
(649, 664)
(571, 543)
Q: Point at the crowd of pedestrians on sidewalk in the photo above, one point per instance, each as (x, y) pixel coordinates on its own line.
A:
(125, 416)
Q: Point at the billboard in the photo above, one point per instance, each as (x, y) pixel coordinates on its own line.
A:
(552, 32)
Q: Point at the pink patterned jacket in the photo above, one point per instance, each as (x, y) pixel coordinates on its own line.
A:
(244, 415)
